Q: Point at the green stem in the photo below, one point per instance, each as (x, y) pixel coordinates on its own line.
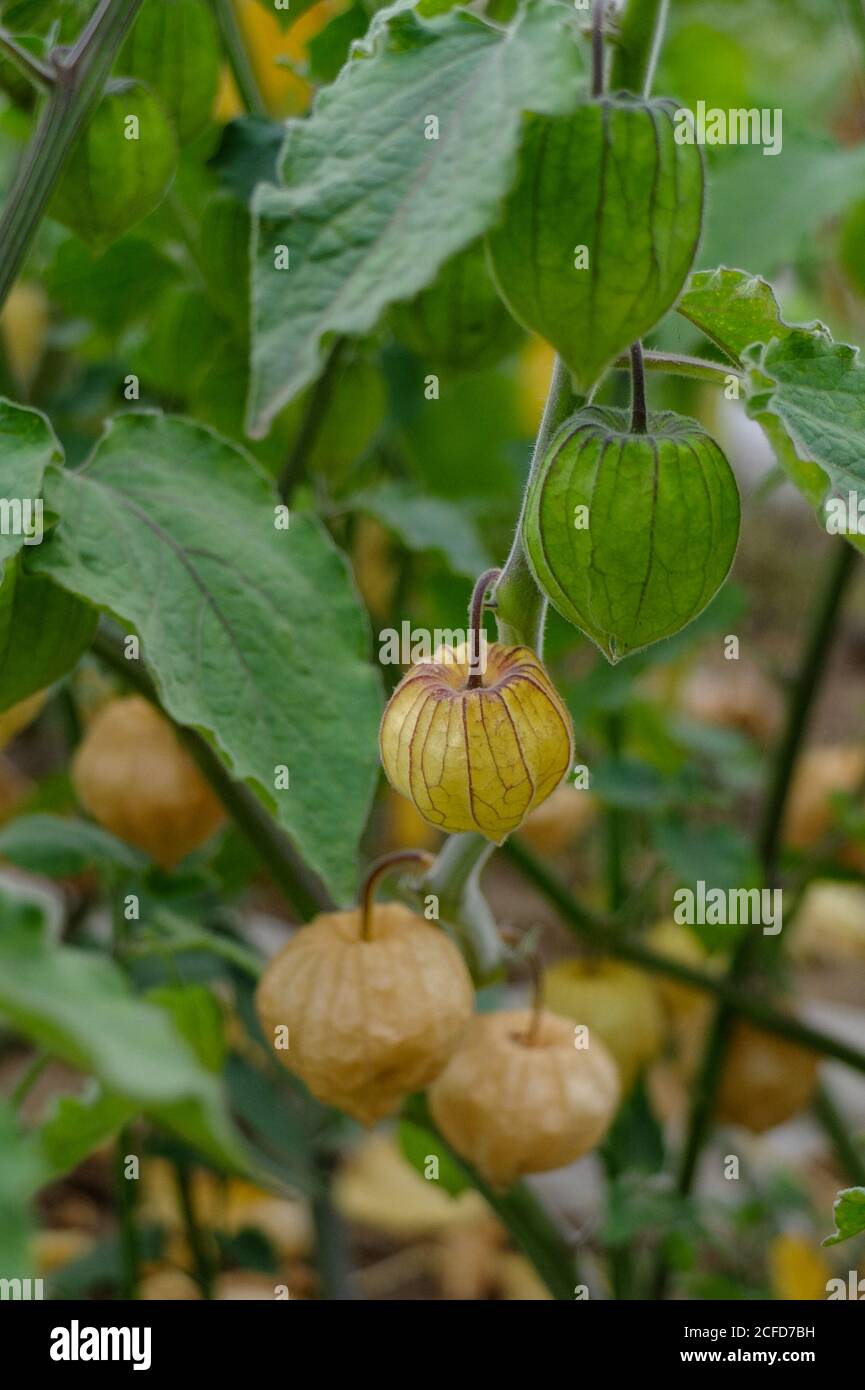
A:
(331, 1250)
(79, 78)
(198, 1239)
(313, 418)
(528, 1224)
(641, 34)
(850, 1155)
(679, 364)
(238, 58)
(37, 72)
(455, 880)
(303, 890)
(602, 933)
(126, 1190)
(520, 605)
(812, 668)
(29, 1076)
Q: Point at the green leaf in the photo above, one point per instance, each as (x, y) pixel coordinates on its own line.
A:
(808, 393)
(78, 1125)
(173, 49)
(224, 255)
(371, 207)
(43, 632)
(849, 1213)
(328, 50)
(636, 1139)
(424, 523)
(720, 855)
(59, 847)
(765, 212)
(27, 446)
(248, 154)
(734, 309)
(254, 635)
(458, 323)
(631, 535)
(638, 1205)
(197, 1017)
(634, 200)
(79, 1007)
(419, 1145)
(22, 1171)
(119, 288)
(633, 785)
(185, 334)
(113, 179)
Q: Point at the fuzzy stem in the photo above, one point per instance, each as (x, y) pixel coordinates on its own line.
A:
(476, 626)
(520, 605)
(679, 364)
(639, 417)
(641, 35)
(598, 48)
(79, 79)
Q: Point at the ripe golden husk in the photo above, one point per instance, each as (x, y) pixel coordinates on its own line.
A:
(368, 1021)
(512, 1108)
(766, 1080)
(133, 775)
(477, 759)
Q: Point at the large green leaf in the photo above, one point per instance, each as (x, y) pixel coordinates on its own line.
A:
(79, 1007)
(254, 634)
(371, 206)
(734, 309)
(43, 632)
(808, 393)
